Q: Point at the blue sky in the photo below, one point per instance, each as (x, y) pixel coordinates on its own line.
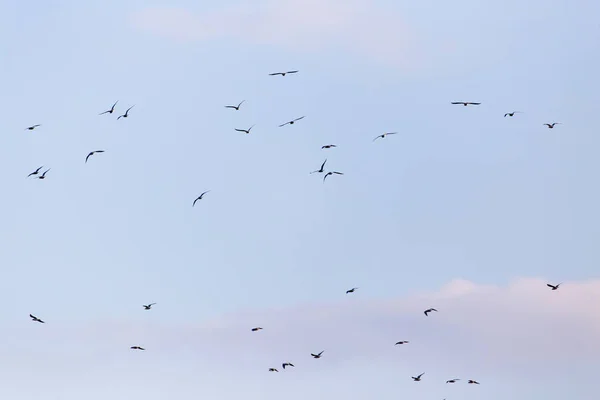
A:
(461, 193)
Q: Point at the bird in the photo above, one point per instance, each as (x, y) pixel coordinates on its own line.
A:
(466, 103)
(112, 109)
(199, 198)
(351, 290)
(429, 310)
(273, 370)
(32, 127)
(137, 348)
(317, 355)
(551, 126)
(256, 329)
(554, 287)
(92, 153)
(283, 73)
(287, 364)
(417, 378)
(292, 121)
(320, 170)
(331, 173)
(453, 380)
(401, 342)
(148, 306)
(36, 319)
(126, 113)
(37, 171)
(43, 176)
(328, 146)
(471, 381)
(384, 135)
(511, 114)
(236, 107)
(245, 130)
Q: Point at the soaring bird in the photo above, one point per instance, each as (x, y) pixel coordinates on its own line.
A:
(273, 370)
(43, 176)
(471, 381)
(258, 328)
(384, 135)
(112, 109)
(512, 114)
(137, 348)
(92, 153)
(292, 121)
(554, 287)
(417, 378)
(320, 170)
(148, 306)
(466, 103)
(32, 127)
(328, 146)
(429, 310)
(236, 107)
(37, 171)
(283, 73)
(126, 113)
(245, 130)
(551, 126)
(36, 319)
(331, 173)
(351, 290)
(453, 380)
(317, 355)
(199, 198)
(401, 342)
(287, 364)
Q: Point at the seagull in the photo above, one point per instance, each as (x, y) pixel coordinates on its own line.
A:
(112, 109)
(287, 364)
(283, 73)
(317, 355)
(453, 380)
(551, 126)
(199, 198)
(351, 290)
(292, 121)
(473, 382)
(417, 378)
(245, 130)
(43, 176)
(36, 319)
(37, 171)
(429, 310)
(321, 169)
(331, 173)
(256, 329)
(328, 146)
(32, 127)
(137, 348)
(401, 342)
(273, 370)
(126, 113)
(236, 107)
(466, 103)
(148, 306)
(384, 135)
(554, 287)
(92, 153)
(511, 114)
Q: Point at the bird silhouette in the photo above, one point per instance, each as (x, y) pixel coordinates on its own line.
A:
(384, 135)
(43, 176)
(320, 170)
(112, 109)
(36, 319)
(287, 364)
(236, 107)
(32, 127)
(417, 378)
(328, 146)
(256, 329)
(273, 370)
(148, 306)
(292, 121)
(429, 310)
(126, 113)
(512, 114)
(554, 287)
(137, 348)
(453, 380)
(331, 173)
(401, 342)
(466, 103)
(199, 198)
(283, 73)
(92, 153)
(37, 171)
(317, 355)
(472, 382)
(551, 126)
(246, 131)
(351, 290)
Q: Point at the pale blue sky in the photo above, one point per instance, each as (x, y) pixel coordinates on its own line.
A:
(459, 193)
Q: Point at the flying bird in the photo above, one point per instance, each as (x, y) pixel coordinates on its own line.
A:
(199, 198)
(320, 170)
(351, 290)
(551, 126)
(417, 378)
(43, 176)
(466, 103)
(32, 127)
(256, 329)
(328, 146)
(283, 73)
(401, 342)
(37, 171)
(287, 364)
(126, 113)
(36, 319)
(331, 173)
(148, 306)
(245, 130)
(292, 121)
(384, 135)
(92, 153)
(429, 310)
(512, 114)
(317, 355)
(554, 287)
(236, 107)
(453, 380)
(473, 382)
(112, 109)
(137, 348)
(273, 370)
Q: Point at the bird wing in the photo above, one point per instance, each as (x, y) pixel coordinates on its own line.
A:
(475, 104)
(88, 156)
(549, 285)
(298, 119)
(284, 124)
(291, 72)
(229, 106)
(378, 136)
(276, 73)
(241, 103)
(323, 165)
(105, 112)
(194, 203)
(129, 109)
(391, 133)
(340, 173)
(457, 102)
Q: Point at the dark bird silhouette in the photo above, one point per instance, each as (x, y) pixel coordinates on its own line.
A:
(273, 370)
(287, 364)
(512, 114)
(317, 355)
(236, 107)
(126, 113)
(466, 103)
(283, 73)
(112, 109)
(551, 126)
(256, 329)
(472, 382)
(351, 290)
(417, 378)
(246, 131)
(328, 146)
(453, 380)
(32, 127)
(43, 176)
(37, 171)
(292, 121)
(199, 198)
(321, 169)
(401, 342)
(554, 287)
(137, 348)
(92, 153)
(384, 135)
(148, 306)
(429, 310)
(36, 319)
(331, 173)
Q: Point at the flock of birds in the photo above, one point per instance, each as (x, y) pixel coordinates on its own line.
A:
(321, 170)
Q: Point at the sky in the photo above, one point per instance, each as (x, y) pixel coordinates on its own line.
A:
(463, 210)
